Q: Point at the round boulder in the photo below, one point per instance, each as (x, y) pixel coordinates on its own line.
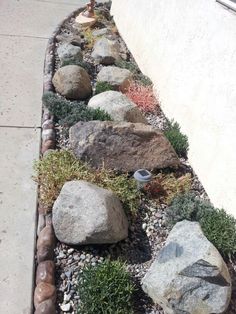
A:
(87, 214)
(73, 82)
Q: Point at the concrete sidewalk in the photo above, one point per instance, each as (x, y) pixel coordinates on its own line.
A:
(25, 27)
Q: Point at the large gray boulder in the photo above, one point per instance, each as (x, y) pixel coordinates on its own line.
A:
(106, 51)
(87, 214)
(119, 107)
(189, 275)
(73, 82)
(122, 146)
(117, 77)
(68, 52)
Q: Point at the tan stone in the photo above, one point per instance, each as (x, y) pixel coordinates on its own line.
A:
(44, 254)
(44, 291)
(49, 144)
(46, 307)
(85, 21)
(45, 272)
(46, 237)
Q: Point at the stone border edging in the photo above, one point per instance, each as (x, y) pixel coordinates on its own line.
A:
(44, 294)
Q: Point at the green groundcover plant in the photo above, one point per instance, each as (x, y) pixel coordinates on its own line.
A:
(103, 87)
(105, 289)
(61, 166)
(218, 226)
(178, 140)
(68, 113)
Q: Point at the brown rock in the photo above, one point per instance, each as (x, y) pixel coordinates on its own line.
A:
(122, 146)
(73, 82)
(46, 237)
(45, 272)
(46, 307)
(41, 223)
(49, 144)
(44, 254)
(44, 291)
(48, 124)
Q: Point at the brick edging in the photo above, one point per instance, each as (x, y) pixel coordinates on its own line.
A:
(44, 290)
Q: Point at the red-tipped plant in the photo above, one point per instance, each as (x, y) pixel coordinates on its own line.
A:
(142, 96)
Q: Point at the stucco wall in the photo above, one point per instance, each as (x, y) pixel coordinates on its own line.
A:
(188, 49)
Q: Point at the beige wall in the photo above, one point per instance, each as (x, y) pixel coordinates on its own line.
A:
(188, 49)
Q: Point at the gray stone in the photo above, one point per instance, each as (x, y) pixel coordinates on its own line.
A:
(189, 275)
(100, 32)
(123, 146)
(68, 52)
(73, 82)
(87, 214)
(117, 77)
(105, 51)
(119, 107)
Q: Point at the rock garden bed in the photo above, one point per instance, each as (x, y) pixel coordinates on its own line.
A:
(121, 246)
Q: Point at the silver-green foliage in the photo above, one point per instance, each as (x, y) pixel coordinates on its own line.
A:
(105, 289)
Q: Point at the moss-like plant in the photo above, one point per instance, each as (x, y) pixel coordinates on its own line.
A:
(164, 187)
(103, 87)
(90, 39)
(82, 64)
(105, 289)
(59, 167)
(218, 226)
(67, 113)
(138, 76)
(178, 140)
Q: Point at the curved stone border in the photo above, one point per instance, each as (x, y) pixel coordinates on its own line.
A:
(45, 290)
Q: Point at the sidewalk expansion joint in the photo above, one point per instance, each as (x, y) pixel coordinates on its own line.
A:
(23, 36)
(20, 127)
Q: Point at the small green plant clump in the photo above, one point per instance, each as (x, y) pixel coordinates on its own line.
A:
(82, 64)
(105, 289)
(178, 140)
(103, 87)
(61, 166)
(138, 76)
(218, 226)
(68, 113)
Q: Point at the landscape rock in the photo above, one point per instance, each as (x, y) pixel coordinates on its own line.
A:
(189, 275)
(117, 77)
(100, 32)
(45, 253)
(73, 82)
(105, 51)
(118, 106)
(68, 52)
(87, 214)
(45, 272)
(46, 237)
(44, 291)
(123, 146)
(46, 307)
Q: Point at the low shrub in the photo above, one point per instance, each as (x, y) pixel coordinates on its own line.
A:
(178, 140)
(90, 39)
(105, 289)
(138, 76)
(59, 167)
(218, 226)
(164, 187)
(68, 113)
(103, 87)
(142, 96)
(82, 64)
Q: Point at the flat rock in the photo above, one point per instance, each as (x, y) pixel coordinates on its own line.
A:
(189, 275)
(105, 51)
(122, 146)
(68, 52)
(87, 214)
(73, 82)
(119, 107)
(117, 77)
(84, 21)
(100, 32)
